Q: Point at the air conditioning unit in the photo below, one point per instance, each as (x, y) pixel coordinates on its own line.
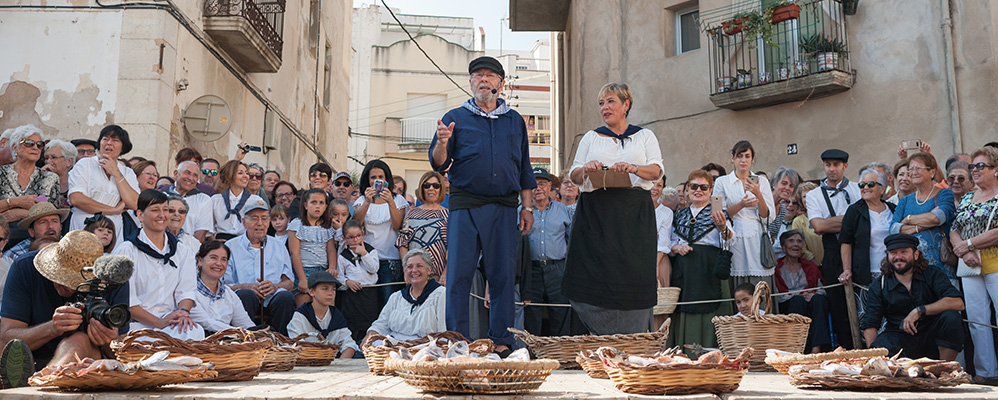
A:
(272, 130)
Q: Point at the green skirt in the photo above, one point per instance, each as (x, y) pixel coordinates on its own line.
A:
(690, 328)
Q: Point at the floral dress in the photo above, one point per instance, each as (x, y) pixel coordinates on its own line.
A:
(972, 219)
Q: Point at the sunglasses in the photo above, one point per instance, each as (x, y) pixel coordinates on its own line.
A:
(870, 184)
(87, 152)
(212, 172)
(341, 184)
(694, 186)
(980, 166)
(318, 175)
(176, 211)
(956, 178)
(256, 177)
(29, 143)
(431, 185)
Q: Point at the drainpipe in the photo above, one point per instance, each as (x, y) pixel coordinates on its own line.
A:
(949, 58)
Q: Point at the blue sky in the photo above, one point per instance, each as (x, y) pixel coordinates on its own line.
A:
(487, 14)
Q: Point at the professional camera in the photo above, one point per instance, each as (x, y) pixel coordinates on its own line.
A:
(110, 272)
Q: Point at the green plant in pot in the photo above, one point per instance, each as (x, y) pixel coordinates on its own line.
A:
(744, 78)
(825, 50)
(784, 10)
(756, 24)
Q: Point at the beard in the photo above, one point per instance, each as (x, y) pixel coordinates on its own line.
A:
(903, 269)
(486, 97)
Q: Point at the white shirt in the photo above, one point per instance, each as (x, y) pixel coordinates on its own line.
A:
(216, 314)
(378, 222)
(156, 287)
(400, 321)
(188, 239)
(365, 271)
(244, 262)
(663, 222)
(233, 225)
(88, 177)
(817, 208)
(299, 325)
(640, 148)
(200, 216)
(880, 227)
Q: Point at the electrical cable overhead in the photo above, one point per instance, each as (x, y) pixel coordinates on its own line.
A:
(421, 49)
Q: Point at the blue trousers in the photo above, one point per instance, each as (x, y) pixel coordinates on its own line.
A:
(281, 308)
(489, 231)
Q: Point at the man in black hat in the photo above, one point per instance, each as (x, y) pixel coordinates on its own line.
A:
(921, 306)
(484, 145)
(825, 208)
(548, 249)
(84, 148)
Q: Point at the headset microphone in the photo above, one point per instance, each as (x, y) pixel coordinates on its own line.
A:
(494, 91)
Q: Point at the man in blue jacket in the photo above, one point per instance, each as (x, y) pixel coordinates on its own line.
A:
(483, 144)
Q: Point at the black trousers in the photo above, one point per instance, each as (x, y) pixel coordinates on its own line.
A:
(360, 309)
(281, 308)
(831, 268)
(943, 330)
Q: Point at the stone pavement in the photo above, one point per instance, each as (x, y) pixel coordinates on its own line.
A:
(350, 380)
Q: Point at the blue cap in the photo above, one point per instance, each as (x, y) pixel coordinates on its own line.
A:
(541, 173)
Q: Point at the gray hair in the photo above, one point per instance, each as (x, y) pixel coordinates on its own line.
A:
(171, 197)
(784, 172)
(417, 252)
(66, 148)
(881, 177)
(669, 194)
(256, 166)
(959, 165)
(20, 133)
(182, 164)
(880, 166)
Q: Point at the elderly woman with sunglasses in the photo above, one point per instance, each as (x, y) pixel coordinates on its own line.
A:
(425, 227)
(22, 184)
(928, 212)
(865, 225)
(975, 241)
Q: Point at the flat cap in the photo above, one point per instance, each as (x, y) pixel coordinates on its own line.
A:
(835, 154)
(487, 62)
(900, 241)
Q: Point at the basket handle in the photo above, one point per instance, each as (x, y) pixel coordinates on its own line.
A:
(367, 341)
(240, 334)
(525, 336)
(135, 335)
(665, 325)
(757, 297)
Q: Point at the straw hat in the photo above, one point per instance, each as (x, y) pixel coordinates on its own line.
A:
(42, 209)
(63, 262)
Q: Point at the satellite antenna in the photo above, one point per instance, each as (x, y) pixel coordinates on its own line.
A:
(208, 118)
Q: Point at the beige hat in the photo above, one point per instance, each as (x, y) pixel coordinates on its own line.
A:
(63, 262)
(42, 209)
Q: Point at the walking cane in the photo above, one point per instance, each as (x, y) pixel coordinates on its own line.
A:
(853, 315)
(263, 244)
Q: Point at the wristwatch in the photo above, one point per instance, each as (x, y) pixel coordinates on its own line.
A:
(970, 245)
(529, 209)
(921, 310)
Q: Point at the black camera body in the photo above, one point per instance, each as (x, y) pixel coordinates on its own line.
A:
(93, 304)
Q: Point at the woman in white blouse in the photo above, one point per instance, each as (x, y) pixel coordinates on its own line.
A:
(419, 308)
(748, 200)
(610, 268)
(103, 185)
(216, 306)
(382, 214)
(230, 197)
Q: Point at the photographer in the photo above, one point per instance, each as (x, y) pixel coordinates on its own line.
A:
(35, 312)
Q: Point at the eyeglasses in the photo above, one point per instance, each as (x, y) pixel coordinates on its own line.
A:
(480, 75)
(354, 237)
(87, 152)
(870, 184)
(152, 174)
(694, 186)
(917, 169)
(980, 166)
(180, 211)
(431, 185)
(212, 172)
(256, 177)
(29, 143)
(956, 178)
(256, 220)
(50, 158)
(341, 184)
(285, 195)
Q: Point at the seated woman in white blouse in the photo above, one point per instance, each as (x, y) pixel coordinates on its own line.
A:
(419, 308)
(216, 306)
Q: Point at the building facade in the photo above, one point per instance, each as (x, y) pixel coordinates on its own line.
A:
(917, 69)
(280, 66)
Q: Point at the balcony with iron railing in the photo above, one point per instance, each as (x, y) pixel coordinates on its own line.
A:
(417, 133)
(249, 31)
(767, 52)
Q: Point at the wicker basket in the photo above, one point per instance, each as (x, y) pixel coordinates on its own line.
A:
(565, 348)
(667, 298)
(591, 363)
(481, 377)
(119, 380)
(281, 356)
(239, 360)
(675, 379)
(787, 332)
(864, 382)
(314, 354)
(783, 364)
(376, 355)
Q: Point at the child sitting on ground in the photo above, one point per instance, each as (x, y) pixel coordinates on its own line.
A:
(322, 322)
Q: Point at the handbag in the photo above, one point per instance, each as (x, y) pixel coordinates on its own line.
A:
(767, 255)
(990, 254)
(722, 267)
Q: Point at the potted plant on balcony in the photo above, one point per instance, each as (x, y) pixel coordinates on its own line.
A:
(784, 10)
(734, 25)
(744, 78)
(724, 83)
(825, 50)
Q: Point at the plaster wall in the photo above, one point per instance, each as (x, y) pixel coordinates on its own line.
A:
(901, 91)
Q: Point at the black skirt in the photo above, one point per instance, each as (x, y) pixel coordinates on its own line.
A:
(612, 252)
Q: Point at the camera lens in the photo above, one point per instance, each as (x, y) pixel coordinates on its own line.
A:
(115, 316)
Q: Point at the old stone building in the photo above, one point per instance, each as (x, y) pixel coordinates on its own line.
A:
(281, 67)
(913, 69)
